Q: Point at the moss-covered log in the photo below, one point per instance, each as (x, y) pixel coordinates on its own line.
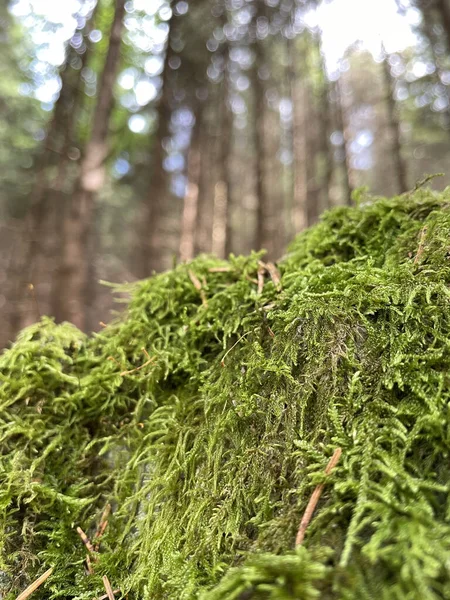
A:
(206, 414)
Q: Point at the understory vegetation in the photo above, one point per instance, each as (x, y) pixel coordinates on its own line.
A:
(203, 419)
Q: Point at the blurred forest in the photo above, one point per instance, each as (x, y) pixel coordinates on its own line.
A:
(138, 133)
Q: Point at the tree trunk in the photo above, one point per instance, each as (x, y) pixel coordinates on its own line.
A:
(342, 127)
(73, 277)
(443, 8)
(34, 261)
(222, 221)
(299, 142)
(190, 204)
(394, 130)
(263, 233)
(148, 258)
(427, 26)
(205, 209)
(325, 129)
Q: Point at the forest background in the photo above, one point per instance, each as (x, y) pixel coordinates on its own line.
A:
(138, 133)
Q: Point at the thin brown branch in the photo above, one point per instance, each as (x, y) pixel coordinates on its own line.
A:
(423, 234)
(34, 586)
(100, 532)
(86, 541)
(251, 279)
(148, 362)
(108, 588)
(261, 271)
(220, 269)
(222, 362)
(198, 286)
(114, 360)
(274, 274)
(89, 567)
(103, 520)
(195, 280)
(307, 515)
(106, 595)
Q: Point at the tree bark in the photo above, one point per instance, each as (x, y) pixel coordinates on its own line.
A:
(34, 261)
(73, 277)
(325, 128)
(299, 142)
(263, 233)
(190, 204)
(342, 127)
(148, 258)
(205, 209)
(222, 224)
(394, 130)
(432, 37)
(443, 8)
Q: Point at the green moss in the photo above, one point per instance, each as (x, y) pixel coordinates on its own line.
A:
(209, 453)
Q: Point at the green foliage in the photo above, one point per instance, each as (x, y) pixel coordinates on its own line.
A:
(209, 448)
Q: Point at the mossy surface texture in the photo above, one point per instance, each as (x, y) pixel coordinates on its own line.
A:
(209, 446)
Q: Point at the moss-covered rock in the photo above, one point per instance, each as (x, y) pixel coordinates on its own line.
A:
(206, 414)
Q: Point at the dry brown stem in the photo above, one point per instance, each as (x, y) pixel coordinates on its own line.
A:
(198, 286)
(148, 362)
(309, 510)
(108, 588)
(86, 541)
(34, 586)
(106, 595)
(274, 274)
(420, 249)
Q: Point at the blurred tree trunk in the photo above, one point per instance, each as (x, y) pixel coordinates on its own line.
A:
(148, 258)
(190, 204)
(72, 284)
(394, 129)
(33, 265)
(325, 130)
(205, 208)
(222, 225)
(263, 234)
(342, 127)
(428, 29)
(299, 140)
(443, 8)
(327, 160)
(227, 151)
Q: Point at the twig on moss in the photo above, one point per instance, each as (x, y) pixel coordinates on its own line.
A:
(220, 269)
(103, 524)
(222, 362)
(34, 586)
(198, 286)
(261, 271)
(420, 249)
(111, 358)
(108, 588)
(106, 595)
(86, 541)
(89, 566)
(148, 362)
(309, 510)
(275, 275)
